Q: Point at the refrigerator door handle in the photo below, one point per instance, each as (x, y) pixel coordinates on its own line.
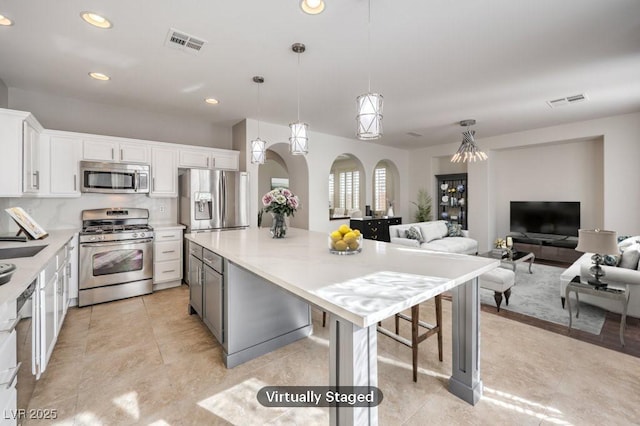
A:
(223, 204)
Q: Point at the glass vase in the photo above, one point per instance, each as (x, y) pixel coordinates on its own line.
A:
(278, 226)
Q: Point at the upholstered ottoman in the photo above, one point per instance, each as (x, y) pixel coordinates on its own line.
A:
(499, 280)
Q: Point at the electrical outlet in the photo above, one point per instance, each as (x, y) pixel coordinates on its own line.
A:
(162, 209)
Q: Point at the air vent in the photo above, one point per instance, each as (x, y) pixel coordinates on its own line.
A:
(180, 40)
(414, 134)
(568, 100)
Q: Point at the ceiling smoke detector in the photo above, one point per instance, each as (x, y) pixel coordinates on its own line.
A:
(567, 101)
(180, 40)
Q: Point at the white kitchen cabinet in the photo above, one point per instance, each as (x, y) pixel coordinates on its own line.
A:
(8, 362)
(19, 131)
(198, 158)
(167, 258)
(227, 160)
(164, 172)
(31, 158)
(114, 150)
(64, 176)
(208, 158)
(47, 315)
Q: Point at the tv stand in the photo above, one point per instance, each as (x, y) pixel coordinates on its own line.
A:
(556, 248)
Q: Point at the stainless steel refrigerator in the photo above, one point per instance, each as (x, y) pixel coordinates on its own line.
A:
(213, 200)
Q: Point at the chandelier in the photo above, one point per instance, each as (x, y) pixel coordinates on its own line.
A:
(298, 141)
(468, 150)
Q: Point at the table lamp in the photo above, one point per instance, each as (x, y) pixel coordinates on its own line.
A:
(600, 243)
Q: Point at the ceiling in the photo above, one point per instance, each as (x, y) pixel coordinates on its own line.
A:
(435, 62)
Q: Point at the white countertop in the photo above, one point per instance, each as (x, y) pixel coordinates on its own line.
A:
(165, 226)
(363, 288)
(27, 268)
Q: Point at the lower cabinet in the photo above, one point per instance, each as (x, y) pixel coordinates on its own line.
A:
(206, 288)
(8, 363)
(167, 258)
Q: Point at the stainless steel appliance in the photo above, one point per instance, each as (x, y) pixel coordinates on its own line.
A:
(114, 178)
(213, 199)
(116, 255)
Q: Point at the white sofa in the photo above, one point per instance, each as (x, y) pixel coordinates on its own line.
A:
(615, 276)
(435, 236)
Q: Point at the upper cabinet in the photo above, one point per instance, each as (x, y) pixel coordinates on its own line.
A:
(64, 155)
(164, 172)
(31, 158)
(45, 163)
(113, 150)
(19, 135)
(208, 158)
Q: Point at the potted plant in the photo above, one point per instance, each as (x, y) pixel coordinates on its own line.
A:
(423, 214)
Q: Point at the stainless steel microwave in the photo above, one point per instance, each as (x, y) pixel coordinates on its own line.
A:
(114, 178)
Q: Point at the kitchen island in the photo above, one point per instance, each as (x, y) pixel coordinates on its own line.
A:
(358, 291)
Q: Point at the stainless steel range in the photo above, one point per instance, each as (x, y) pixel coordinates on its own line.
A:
(116, 255)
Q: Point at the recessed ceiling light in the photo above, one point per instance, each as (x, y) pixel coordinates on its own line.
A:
(4, 21)
(96, 20)
(212, 101)
(99, 76)
(312, 7)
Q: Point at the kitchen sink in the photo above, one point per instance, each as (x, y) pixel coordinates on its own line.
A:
(11, 253)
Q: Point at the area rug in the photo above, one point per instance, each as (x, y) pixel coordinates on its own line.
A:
(538, 295)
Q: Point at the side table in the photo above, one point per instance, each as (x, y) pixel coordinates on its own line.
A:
(609, 293)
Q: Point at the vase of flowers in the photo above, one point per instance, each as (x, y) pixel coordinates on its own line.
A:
(280, 202)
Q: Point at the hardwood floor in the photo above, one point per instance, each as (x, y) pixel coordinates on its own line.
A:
(608, 338)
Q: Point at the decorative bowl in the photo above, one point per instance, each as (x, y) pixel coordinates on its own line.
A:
(349, 244)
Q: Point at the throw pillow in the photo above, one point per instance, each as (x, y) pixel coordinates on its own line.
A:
(413, 233)
(611, 260)
(630, 257)
(455, 230)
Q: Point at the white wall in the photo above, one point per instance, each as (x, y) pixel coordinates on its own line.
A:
(4, 95)
(570, 171)
(323, 149)
(61, 213)
(62, 113)
(621, 150)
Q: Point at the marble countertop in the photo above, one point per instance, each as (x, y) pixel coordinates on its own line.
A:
(162, 226)
(363, 288)
(27, 268)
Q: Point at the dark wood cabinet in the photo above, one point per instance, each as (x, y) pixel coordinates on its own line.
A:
(554, 250)
(375, 229)
(451, 198)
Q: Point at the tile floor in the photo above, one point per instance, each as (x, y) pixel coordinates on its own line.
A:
(145, 361)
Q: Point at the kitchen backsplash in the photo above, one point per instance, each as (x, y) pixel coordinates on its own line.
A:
(61, 213)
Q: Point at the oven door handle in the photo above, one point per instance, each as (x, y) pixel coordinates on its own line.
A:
(116, 243)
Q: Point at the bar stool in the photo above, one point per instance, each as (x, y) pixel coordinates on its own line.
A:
(416, 337)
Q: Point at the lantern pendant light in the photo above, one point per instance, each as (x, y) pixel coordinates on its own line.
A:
(369, 118)
(298, 141)
(258, 146)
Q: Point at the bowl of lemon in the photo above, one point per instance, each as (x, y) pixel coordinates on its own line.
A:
(345, 240)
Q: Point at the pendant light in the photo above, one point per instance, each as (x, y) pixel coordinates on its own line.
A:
(369, 118)
(258, 146)
(298, 141)
(468, 150)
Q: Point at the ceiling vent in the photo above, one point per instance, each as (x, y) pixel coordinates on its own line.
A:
(180, 40)
(414, 134)
(568, 100)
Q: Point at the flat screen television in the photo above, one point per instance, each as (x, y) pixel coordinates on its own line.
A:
(545, 217)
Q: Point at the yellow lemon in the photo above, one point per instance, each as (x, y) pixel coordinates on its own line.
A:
(336, 236)
(349, 237)
(344, 229)
(357, 232)
(353, 245)
(340, 245)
